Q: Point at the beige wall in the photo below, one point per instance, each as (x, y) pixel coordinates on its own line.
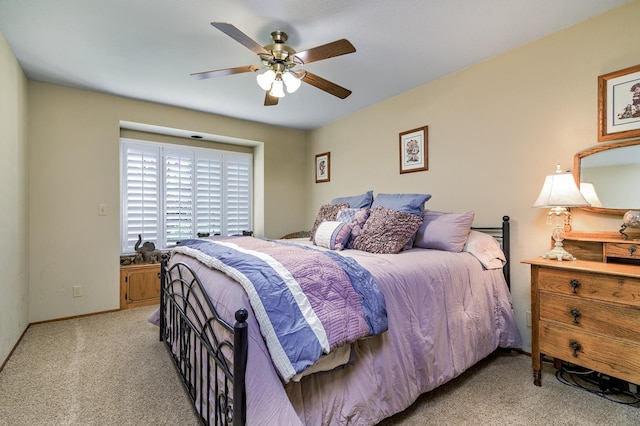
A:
(74, 167)
(496, 129)
(14, 247)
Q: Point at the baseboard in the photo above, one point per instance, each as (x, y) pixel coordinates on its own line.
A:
(75, 316)
(13, 349)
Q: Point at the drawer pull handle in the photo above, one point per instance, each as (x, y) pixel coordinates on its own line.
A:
(632, 250)
(575, 313)
(576, 347)
(575, 284)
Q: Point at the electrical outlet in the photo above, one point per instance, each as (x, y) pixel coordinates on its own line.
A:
(528, 318)
(102, 209)
(77, 291)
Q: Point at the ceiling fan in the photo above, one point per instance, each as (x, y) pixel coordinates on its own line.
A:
(283, 64)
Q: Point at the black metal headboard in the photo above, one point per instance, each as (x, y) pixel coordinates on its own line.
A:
(503, 235)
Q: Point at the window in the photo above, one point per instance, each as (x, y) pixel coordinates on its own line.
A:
(173, 192)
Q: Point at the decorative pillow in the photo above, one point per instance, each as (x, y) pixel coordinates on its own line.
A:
(357, 219)
(444, 231)
(332, 235)
(486, 249)
(387, 231)
(409, 203)
(356, 201)
(326, 212)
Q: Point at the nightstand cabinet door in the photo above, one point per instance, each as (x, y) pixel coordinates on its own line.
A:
(139, 285)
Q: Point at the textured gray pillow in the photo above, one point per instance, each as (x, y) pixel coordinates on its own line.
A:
(326, 212)
(387, 231)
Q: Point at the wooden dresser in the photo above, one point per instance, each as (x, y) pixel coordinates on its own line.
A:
(587, 311)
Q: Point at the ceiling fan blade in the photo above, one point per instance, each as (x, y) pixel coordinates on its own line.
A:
(240, 37)
(223, 72)
(326, 85)
(270, 100)
(329, 50)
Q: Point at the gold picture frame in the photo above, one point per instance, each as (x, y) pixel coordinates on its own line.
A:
(414, 150)
(323, 167)
(619, 104)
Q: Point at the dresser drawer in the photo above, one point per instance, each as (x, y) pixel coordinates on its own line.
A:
(591, 285)
(597, 317)
(622, 250)
(615, 357)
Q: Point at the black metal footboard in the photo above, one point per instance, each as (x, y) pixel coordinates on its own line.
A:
(209, 354)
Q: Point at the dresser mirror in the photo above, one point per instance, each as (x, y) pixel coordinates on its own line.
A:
(614, 171)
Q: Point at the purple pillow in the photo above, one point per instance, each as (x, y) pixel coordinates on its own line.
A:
(332, 235)
(387, 231)
(444, 231)
(326, 212)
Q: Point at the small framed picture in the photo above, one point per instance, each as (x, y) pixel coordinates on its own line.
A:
(323, 167)
(619, 104)
(414, 154)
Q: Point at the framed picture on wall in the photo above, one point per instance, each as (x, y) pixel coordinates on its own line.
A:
(323, 167)
(619, 104)
(414, 156)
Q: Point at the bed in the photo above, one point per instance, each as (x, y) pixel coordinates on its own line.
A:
(445, 311)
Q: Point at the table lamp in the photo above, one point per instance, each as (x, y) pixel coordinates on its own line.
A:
(559, 192)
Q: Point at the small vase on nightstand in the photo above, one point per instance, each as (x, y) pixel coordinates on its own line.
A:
(631, 219)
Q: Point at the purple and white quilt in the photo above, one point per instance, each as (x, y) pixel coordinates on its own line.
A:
(307, 302)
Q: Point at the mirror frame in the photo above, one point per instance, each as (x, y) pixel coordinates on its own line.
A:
(576, 171)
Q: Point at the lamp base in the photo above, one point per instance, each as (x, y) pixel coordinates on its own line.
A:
(559, 253)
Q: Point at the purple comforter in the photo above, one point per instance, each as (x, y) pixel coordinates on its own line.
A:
(445, 313)
(298, 294)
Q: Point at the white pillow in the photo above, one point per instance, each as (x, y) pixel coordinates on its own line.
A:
(486, 249)
(333, 235)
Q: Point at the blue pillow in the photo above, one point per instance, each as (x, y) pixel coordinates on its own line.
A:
(356, 201)
(408, 203)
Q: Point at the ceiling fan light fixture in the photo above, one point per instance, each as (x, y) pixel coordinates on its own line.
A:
(277, 89)
(266, 79)
(292, 81)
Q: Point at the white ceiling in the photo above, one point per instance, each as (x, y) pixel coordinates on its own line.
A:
(146, 49)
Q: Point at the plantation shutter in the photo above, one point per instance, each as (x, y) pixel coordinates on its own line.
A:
(171, 193)
(209, 201)
(141, 184)
(178, 196)
(238, 194)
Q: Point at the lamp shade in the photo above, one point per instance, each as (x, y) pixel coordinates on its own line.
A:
(291, 81)
(560, 190)
(588, 191)
(265, 80)
(277, 89)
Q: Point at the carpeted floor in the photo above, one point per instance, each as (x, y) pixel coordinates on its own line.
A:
(111, 369)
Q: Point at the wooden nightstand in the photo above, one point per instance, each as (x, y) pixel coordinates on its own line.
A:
(139, 285)
(587, 312)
